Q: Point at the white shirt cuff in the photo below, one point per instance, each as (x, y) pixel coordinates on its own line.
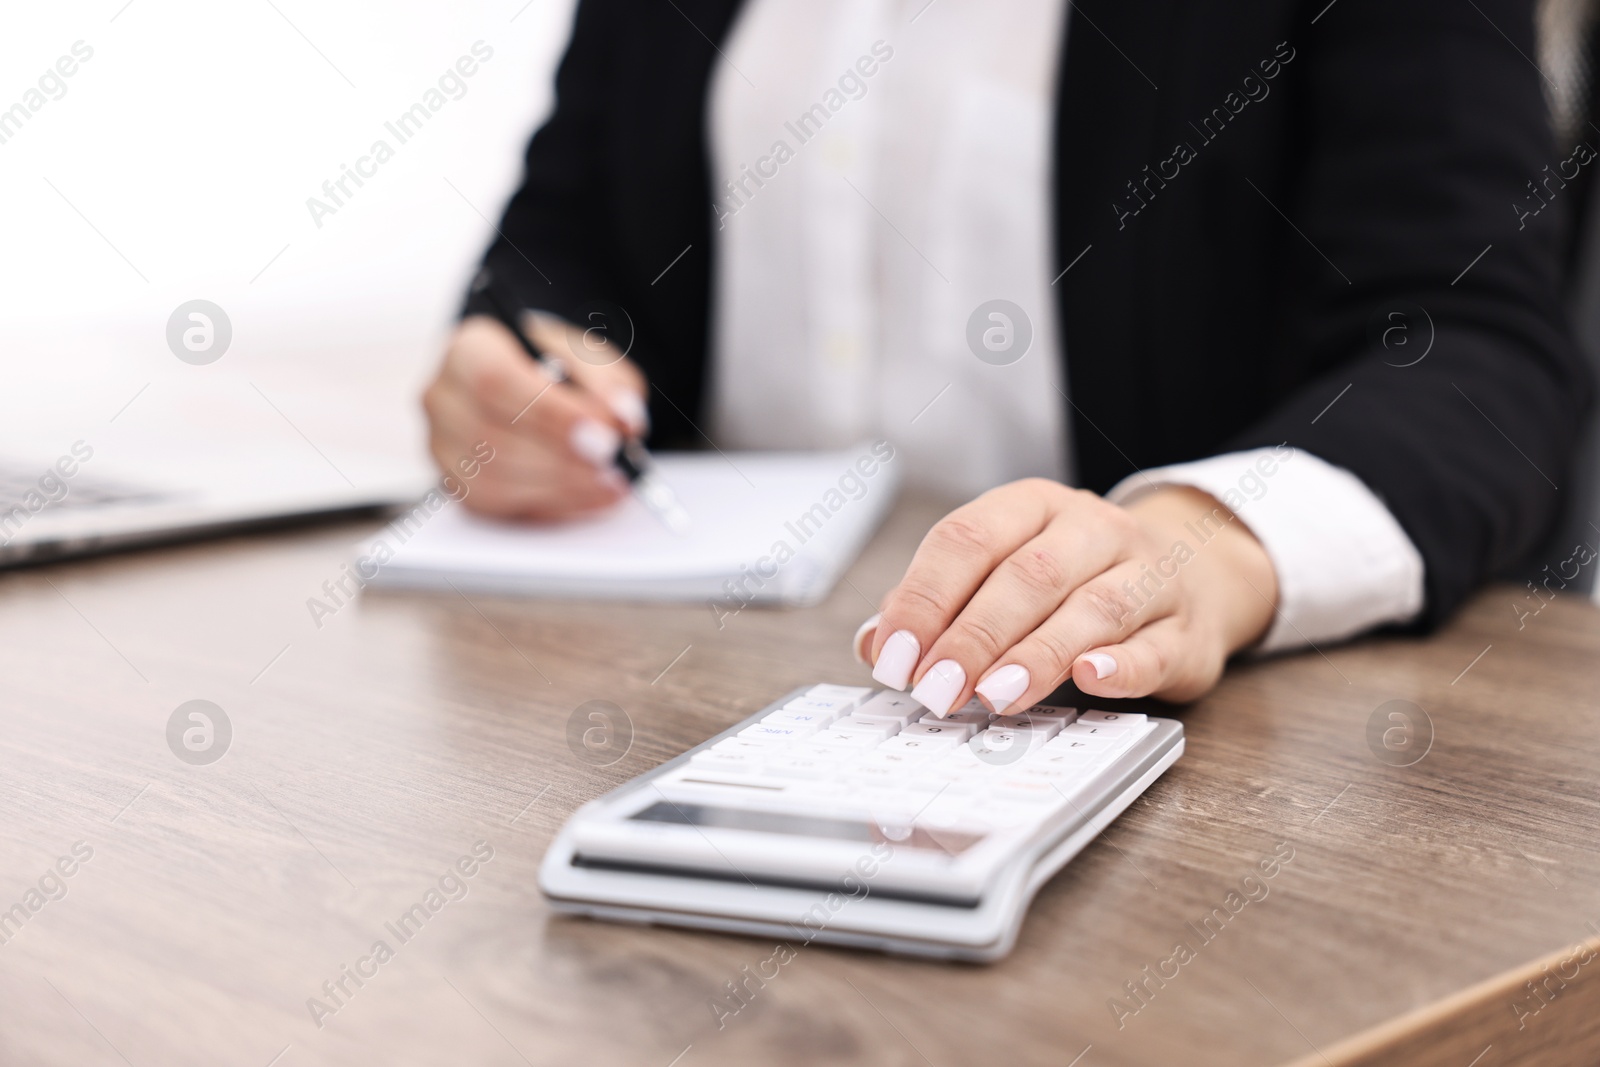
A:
(1343, 563)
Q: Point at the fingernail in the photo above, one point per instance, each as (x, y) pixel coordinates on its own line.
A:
(596, 442)
(940, 686)
(898, 658)
(1104, 665)
(630, 408)
(1004, 687)
(859, 643)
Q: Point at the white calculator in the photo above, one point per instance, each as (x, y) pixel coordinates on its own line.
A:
(853, 816)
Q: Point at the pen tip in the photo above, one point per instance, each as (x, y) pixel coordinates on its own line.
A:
(677, 520)
(660, 499)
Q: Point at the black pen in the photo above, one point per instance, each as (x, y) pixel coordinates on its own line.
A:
(631, 459)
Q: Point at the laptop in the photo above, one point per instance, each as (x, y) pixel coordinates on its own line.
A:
(97, 455)
(45, 515)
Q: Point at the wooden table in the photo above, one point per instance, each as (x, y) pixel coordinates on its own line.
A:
(368, 755)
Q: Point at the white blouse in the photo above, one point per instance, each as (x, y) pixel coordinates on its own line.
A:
(883, 175)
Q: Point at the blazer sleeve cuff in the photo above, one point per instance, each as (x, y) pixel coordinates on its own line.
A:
(1343, 563)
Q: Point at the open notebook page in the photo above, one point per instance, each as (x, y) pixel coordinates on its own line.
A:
(793, 520)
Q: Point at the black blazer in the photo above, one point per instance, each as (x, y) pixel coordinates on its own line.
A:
(1259, 184)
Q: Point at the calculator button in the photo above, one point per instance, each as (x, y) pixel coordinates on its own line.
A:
(779, 732)
(1094, 742)
(1003, 738)
(847, 739)
(1088, 734)
(897, 759)
(961, 731)
(831, 708)
(725, 762)
(751, 745)
(877, 727)
(875, 773)
(1043, 729)
(1065, 757)
(1038, 713)
(799, 767)
(934, 776)
(968, 763)
(1125, 718)
(787, 716)
(1085, 754)
(1098, 729)
(1095, 749)
(850, 696)
(812, 748)
(891, 707)
(919, 744)
(964, 787)
(979, 756)
(978, 780)
(973, 713)
(962, 757)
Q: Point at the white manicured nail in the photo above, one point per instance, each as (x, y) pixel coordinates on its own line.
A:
(596, 442)
(630, 408)
(1004, 687)
(897, 660)
(859, 644)
(1104, 665)
(940, 686)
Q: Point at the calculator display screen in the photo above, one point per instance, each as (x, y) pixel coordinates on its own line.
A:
(774, 822)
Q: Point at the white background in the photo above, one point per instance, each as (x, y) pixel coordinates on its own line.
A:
(191, 141)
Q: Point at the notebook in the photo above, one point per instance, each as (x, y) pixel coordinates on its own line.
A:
(766, 527)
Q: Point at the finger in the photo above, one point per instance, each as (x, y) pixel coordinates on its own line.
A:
(543, 498)
(547, 504)
(488, 365)
(455, 416)
(1167, 659)
(949, 565)
(524, 478)
(1103, 611)
(598, 365)
(1023, 590)
(862, 643)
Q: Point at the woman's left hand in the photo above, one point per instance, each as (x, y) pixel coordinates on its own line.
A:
(1033, 581)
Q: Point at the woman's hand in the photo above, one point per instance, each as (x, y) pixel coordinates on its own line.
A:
(1034, 581)
(553, 443)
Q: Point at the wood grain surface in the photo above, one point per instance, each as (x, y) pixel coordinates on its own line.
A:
(372, 753)
(1545, 1013)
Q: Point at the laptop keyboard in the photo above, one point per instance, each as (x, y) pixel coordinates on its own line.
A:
(855, 751)
(81, 491)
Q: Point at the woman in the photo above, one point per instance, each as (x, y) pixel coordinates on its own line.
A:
(1245, 268)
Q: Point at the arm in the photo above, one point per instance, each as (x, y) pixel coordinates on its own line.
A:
(1430, 125)
(1422, 127)
(553, 444)
(549, 247)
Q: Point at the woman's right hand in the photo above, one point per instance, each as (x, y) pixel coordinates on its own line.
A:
(553, 443)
